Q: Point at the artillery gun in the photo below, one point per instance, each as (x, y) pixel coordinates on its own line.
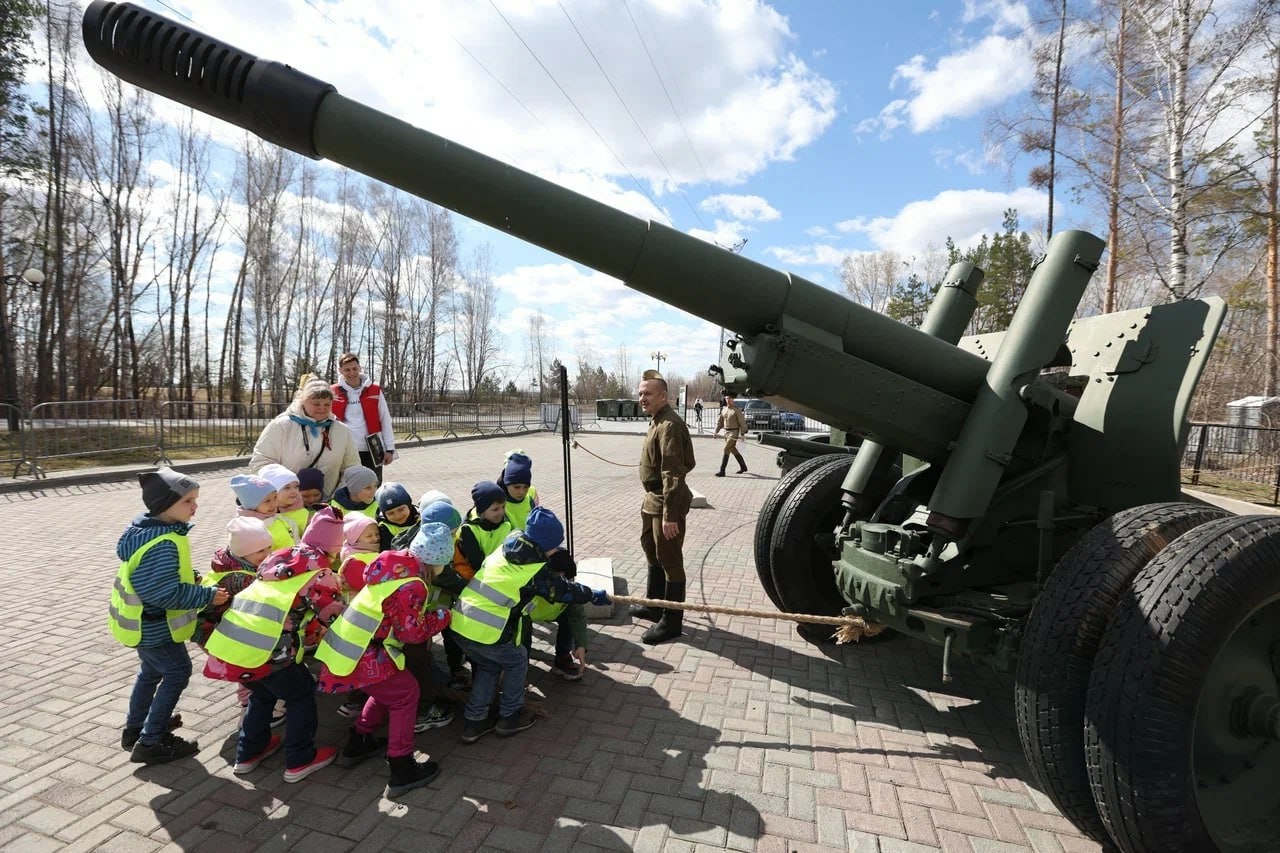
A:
(1015, 498)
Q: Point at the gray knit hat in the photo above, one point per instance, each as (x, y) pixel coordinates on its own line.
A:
(358, 477)
(164, 487)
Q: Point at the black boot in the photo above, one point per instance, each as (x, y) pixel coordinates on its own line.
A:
(742, 463)
(724, 463)
(671, 625)
(359, 747)
(655, 587)
(407, 773)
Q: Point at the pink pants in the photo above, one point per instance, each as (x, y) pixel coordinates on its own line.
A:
(394, 702)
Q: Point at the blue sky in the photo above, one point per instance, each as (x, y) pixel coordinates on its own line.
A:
(812, 129)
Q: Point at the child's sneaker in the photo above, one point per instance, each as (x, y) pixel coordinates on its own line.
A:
(459, 679)
(251, 764)
(130, 736)
(566, 666)
(434, 717)
(277, 715)
(473, 730)
(350, 708)
(170, 747)
(323, 758)
(518, 722)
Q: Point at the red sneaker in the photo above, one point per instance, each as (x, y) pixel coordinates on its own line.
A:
(323, 758)
(251, 764)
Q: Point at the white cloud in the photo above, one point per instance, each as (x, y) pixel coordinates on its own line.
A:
(817, 231)
(972, 160)
(744, 208)
(963, 215)
(819, 254)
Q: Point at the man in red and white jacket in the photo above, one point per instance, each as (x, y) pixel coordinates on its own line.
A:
(359, 404)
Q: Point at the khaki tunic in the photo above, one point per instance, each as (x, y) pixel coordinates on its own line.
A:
(734, 425)
(665, 460)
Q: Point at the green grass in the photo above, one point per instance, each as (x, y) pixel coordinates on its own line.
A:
(1219, 484)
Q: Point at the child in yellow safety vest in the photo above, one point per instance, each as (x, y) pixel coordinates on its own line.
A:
(359, 548)
(516, 480)
(364, 650)
(358, 491)
(258, 644)
(155, 604)
(396, 513)
(291, 513)
(256, 498)
(311, 488)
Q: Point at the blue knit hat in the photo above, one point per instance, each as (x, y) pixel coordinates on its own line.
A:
(392, 495)
(444, 513)
(251, 489)
(544, 529)
(518, 470)
(487, 493)
(433, 545)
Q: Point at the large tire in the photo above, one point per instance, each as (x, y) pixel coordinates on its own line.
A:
(768, 517)
(802, 548)
(1168, 765)
(1062, 635)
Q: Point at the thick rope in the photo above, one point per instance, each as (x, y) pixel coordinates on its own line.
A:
(851, 628)
(577, 446)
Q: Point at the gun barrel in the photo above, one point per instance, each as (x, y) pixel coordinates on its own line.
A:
(306, 115)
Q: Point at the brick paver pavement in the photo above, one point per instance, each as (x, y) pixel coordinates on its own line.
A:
(741, 737)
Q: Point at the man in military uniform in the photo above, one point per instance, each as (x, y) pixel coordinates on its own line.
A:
(665, 461)
(735, 426)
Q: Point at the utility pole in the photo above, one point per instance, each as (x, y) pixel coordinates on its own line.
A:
(658, 356)
(33, 278)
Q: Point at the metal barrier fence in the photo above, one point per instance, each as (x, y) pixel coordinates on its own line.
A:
(87, 428)
(1244, 459)
(90, 428)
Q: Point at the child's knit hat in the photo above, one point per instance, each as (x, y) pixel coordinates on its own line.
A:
(392, 495)
(518, 470)
(444, 513)
(544, 529)
(354, 525)
(246, 536)
(277, 475)
(251, 489)
(434, 544)
(358, 477)
(430, 497)
(485, 494)
(291, 562)
(324, 533)
(311, 478)
(164, 487)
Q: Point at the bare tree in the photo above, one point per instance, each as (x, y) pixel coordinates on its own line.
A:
(870, 278)
(476, 341)
(442, 277)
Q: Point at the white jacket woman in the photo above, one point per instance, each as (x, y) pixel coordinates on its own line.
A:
(305, 435)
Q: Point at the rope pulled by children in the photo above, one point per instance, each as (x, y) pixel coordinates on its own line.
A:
(849, 629)
(577, 446)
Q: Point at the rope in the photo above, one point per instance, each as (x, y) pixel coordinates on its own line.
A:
(577, 446)
(851, 628)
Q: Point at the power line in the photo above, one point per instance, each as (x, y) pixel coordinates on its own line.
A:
(634, 120)
(663, 84)
(580, 113)
(486, 70)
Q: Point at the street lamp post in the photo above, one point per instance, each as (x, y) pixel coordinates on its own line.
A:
(33, 278)
(658, 356)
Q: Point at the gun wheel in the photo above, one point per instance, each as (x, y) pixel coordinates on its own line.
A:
(1182, 718)
(768, 518)
(1062, 636)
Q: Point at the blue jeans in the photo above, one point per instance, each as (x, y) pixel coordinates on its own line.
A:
(163, 673)
(505, 661)
(296, 687)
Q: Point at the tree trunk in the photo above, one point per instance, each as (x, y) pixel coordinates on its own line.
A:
(1273, 235)
(1113, 183)
(1056, 116)
(1177, 130)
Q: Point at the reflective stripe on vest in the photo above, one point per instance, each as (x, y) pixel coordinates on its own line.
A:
(351, 633)
(214, 578)
(518, 511)
(283, 533)
(124, 615)
(485, 606)
(250, 629)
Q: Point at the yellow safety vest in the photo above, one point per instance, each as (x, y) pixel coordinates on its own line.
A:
(485, 606)
(351, 633)
(489, 540)
(518, 511)
(546, 611)
(213, 578)
(395, 529)
(299, 519)
(251, 627)
(125, 615)
(284, 533)
(371, 510)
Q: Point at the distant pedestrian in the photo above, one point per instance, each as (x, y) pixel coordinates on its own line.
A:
(697, 413)
(735, 427)
(155, 605)
(369, 419)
